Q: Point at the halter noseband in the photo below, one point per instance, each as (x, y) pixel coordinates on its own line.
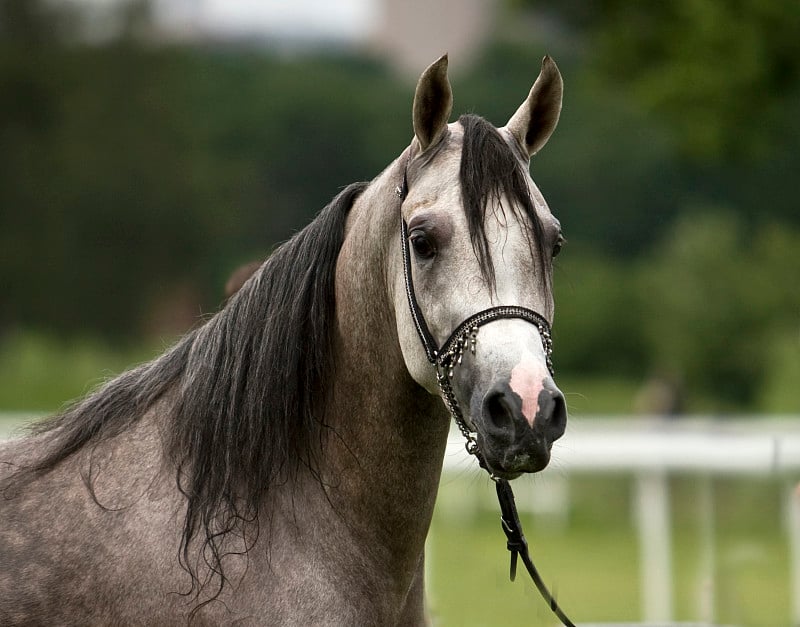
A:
(445, 359)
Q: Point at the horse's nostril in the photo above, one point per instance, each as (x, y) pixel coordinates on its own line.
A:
(558, 418)
(497, 410)
(502, 413)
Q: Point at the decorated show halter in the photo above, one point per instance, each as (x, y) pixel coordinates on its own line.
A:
(445, 359)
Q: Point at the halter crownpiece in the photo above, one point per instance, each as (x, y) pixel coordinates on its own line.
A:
(445, 359)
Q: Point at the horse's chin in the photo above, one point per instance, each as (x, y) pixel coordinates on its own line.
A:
(511, 461)
(508, 476)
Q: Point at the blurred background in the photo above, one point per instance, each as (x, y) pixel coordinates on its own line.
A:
(149, 148)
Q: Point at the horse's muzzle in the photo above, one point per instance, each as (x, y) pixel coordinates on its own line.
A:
(516, 434)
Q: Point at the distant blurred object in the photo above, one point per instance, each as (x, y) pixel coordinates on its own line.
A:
(660, 395)
(172, 311)
(240, 276)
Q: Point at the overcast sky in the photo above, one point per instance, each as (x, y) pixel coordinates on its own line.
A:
(337, 19)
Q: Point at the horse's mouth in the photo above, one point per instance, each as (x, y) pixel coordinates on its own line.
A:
(509, 460)
(511, 443)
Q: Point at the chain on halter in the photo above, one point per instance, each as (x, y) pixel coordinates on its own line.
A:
(445, 360)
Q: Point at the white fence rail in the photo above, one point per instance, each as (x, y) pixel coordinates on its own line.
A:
(10, 422)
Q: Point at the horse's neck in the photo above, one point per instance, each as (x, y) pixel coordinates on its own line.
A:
(390, 434)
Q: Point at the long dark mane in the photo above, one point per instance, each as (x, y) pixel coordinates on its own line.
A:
(246, 392)
(490, 170)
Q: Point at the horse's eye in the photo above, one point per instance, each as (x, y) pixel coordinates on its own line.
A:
(559, 245)
(423, 245)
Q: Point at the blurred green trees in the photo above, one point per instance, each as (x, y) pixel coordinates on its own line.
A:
(134, 177)
(721, 73)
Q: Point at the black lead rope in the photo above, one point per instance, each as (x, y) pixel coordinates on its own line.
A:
(445, 359)
(518, 546)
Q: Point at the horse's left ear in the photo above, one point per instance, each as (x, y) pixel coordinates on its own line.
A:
(537, 117)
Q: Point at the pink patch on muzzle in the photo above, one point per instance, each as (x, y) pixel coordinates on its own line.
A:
(527, 381)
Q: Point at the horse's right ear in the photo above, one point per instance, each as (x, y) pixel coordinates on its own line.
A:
(433, 102)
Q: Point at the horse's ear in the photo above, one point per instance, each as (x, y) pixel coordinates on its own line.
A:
(537, 117)
(433, 102)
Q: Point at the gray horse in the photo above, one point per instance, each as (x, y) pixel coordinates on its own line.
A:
(279, 465)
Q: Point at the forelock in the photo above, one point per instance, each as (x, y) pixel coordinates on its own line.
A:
(489, 171)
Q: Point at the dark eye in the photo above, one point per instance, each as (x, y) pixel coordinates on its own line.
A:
(423, 245)
(559, 245)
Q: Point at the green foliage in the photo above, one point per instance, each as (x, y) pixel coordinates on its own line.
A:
(698, 286)
(716, 70)
(779, 394)
(151, 169)
(719, 73)
(597, 325)
(713, 308)
(40, 373)
(718, 292)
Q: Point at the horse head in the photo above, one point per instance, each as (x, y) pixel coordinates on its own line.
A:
(479, 237)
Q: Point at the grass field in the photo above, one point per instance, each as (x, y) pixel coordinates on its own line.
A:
(590, 559)
(39, 373)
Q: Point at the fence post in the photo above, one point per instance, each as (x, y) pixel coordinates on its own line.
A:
(706, 575)
(655, 550)
(792, 501)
